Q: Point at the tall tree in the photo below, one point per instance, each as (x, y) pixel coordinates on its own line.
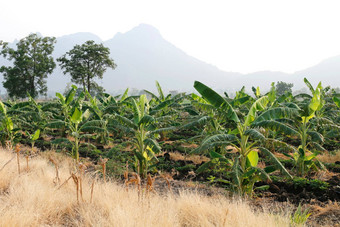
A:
(283, 87)
(85, 62)
(32, 62)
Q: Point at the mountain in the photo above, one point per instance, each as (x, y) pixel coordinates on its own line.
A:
(327, 71)
(142, 56)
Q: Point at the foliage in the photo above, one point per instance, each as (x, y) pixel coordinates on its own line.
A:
(8, 132)
(144, 128)
(283, 87)
(85, 62)
(244, 170)
(240, 136)
(296, 120)
(300, 217)
(32, 62)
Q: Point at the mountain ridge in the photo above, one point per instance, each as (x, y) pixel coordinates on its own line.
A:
(142, 56)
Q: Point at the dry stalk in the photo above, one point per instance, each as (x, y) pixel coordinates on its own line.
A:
(136, 180)
(17, 150)
(82, 169)
(167, 177)
(92, 186)
(226, 217)
(9, 145)
(149, 184)
(64, 182)
(27, 167)
(126, 176)
(7, 163)
(102, 162)
(56, 180)
(76, 181)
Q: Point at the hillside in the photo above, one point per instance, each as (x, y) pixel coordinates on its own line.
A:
(143, 56)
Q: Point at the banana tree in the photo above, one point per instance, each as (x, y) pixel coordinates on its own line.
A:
(213, 118)
(166, 107)
(8, 130)
(32, 139)
(74, 128)
(66, 105)
(144, 128)
(295, 121)
(99, 121)
(245, 172)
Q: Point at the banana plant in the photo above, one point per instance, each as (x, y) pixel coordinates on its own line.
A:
(295, 121)
(245, 172)
(77, 117)
(144, 128)
(8, 131)
(161, 97)
(166, 107)
(33, 137)
(66, 106)
(99, 122)
(33, 115)
(74, 129)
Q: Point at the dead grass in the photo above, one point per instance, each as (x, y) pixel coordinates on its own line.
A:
(326, 157)
(196, 159)
(323, 215)
(32, 199)
(282, 156)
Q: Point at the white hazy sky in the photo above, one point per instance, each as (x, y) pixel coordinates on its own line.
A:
(236, 35)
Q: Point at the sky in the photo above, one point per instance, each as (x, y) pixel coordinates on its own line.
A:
(237, 35)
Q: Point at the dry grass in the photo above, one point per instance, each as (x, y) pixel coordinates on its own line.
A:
(326, 157)
(324, 216)
(32, 199)
(196, 159)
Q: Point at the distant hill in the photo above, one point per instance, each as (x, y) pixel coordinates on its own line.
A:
(143, 56)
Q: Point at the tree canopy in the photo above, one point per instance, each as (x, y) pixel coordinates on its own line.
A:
(283, 87)
(85, 62)
(32, 62)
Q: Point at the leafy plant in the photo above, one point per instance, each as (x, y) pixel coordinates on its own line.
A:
(144, 128)
(300, 216)
(244, 170)
(295, 121)
(9, 133)
(32, 139)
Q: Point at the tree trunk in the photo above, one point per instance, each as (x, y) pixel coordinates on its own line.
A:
(88, 84)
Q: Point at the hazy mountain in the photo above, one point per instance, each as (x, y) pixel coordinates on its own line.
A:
(143, 56)
(328, 71)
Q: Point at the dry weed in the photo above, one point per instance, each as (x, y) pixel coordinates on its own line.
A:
(326, 157)
(32, 199)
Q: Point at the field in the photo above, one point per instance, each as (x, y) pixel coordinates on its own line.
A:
(177, 160)
(32, 199)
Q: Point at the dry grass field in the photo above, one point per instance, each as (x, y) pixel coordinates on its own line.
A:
(35, 198)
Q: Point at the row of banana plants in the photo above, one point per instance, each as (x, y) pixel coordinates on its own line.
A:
(251, 126)
(239, 134)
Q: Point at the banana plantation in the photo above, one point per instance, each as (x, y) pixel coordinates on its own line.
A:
(252, 145)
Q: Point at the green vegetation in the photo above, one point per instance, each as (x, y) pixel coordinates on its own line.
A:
(32, 63)
(85, 62)
(236, 140)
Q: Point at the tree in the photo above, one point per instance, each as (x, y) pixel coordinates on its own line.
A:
(85, 62)
(283, 87)
(32, 62)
